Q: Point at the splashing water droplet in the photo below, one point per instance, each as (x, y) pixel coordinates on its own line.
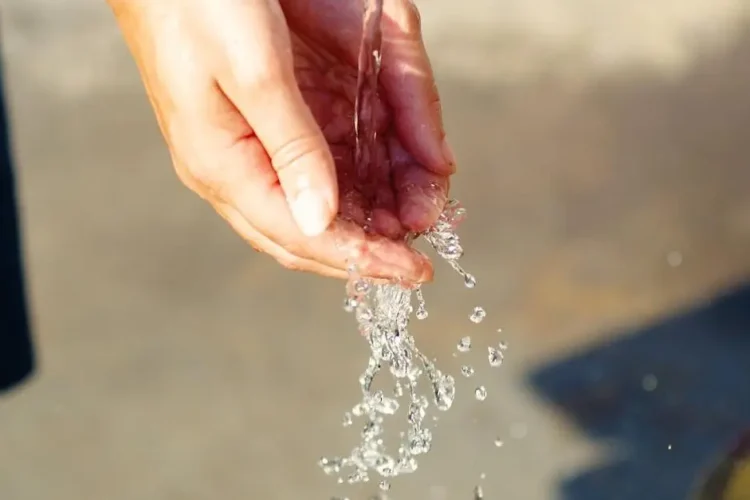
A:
(478, 493)
(650, 383)
(398, 389)
(350, 304)
(503, 346)
(477, 315)
(498, 443)
(347, 420)
(495, 357)
(470, 281)
(444, 391)
(480, 393)
(467, 371)
(464, 345)
(421, 305)
(385, 485)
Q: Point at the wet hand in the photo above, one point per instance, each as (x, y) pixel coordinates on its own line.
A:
(255, 100)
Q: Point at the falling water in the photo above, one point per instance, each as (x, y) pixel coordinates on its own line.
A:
(367, 89)
(383, 312)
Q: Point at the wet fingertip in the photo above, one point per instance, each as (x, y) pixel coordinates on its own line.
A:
(422, 271)
(428, 273)
(387, 224)
(448, 165)
(418, 217)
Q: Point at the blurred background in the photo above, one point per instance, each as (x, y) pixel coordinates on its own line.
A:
(603, 150)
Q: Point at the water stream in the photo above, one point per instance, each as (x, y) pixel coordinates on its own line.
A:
(383, 312)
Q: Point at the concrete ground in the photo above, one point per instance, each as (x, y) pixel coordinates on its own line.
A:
(604, 153)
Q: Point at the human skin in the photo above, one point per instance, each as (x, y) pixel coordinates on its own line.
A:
(255, 100)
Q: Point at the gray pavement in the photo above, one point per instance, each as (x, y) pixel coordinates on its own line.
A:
(604, 163)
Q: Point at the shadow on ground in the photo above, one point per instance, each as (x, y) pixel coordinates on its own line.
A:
(667, 398)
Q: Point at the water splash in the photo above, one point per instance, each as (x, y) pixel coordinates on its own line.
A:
(477, 315)
(495, 356)
(480, 393)
(383, 312)
(464, 345)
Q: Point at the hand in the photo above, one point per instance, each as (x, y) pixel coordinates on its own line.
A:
(255, 100)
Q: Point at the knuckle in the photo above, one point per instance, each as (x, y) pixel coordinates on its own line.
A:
(293, 151)
(293, 247)
(186, 159)
(259, 75)
(291, 262)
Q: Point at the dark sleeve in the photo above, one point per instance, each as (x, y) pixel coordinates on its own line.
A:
(16, 351)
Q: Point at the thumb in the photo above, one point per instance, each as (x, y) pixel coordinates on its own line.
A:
(265, 90)
(298, 152)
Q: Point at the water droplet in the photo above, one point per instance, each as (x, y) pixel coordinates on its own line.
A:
(398, 390)
(478, 493)
(480, 393)
(361, 286)
(669, 447)
(495, 357)
(330, 466)
(445, 392)
(385, 486)
(674, 259)
(467, 371)
(386, 406)
(498, 442)
(350, 304)
(416, 413)
(470, 281)
(650, 383)
(477, 315)
(347, 420)
(464, 345)
(421, 306)
(503, 346)
(482, 476)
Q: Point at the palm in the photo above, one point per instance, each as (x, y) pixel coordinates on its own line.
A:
(390, 196)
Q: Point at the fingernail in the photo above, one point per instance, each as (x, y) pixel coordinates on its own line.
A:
(450, 158)
(311, 212)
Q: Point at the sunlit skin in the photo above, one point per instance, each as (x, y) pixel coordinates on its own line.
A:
(255, 99)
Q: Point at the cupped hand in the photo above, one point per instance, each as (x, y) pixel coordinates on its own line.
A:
(255, 99)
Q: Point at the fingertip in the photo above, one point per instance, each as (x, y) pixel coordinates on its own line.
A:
(428, 271)
(449, 166)
(383, 258)
(386, 223)
(312, 212)
(421, 197)
(419, 213)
